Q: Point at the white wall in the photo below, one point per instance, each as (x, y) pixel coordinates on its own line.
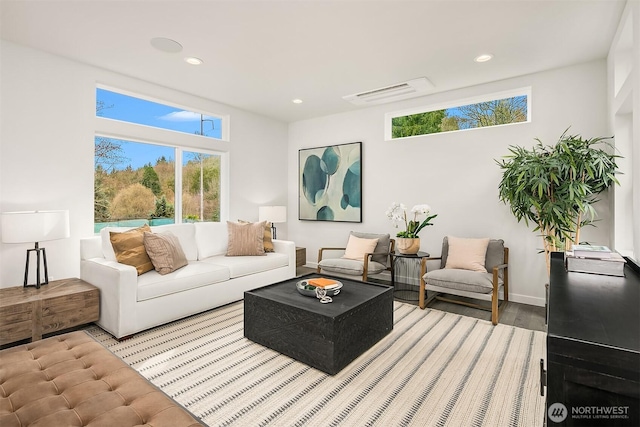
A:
(455, 172)
(46, 150)
(624, 108)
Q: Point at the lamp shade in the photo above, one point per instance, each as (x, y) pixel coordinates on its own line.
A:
(272, 214)
(34, 226)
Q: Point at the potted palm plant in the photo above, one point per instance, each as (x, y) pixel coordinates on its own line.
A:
(554, 187)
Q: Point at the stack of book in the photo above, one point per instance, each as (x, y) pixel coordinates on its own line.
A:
(594, 259)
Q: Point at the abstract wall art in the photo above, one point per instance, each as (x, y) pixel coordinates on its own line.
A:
(330, 183)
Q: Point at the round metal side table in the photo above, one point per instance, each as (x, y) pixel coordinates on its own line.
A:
(408, 265)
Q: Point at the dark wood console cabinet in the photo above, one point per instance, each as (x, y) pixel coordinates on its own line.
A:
(593, 348)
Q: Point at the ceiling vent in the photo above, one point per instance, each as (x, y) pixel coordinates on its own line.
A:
(396, 92)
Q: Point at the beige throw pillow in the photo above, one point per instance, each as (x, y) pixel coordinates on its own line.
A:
(129, 248)
(357, 247)
(467, 254)
(165, 252)
(245, 239)
(267, 240)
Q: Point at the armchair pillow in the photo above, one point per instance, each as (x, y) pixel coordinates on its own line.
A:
(357, 247)
(384, 240)
(467, 254)
(129, 249)
(165, 252)
(245, 239)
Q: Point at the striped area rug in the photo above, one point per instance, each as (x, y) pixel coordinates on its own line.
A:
(433, 369)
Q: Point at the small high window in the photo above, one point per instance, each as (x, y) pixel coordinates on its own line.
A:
(493, 110)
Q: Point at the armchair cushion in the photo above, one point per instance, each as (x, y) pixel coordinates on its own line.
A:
(384, 240)
(350, 266)
(467, 254)
(358, 247)
(463, 280)
(494, 256)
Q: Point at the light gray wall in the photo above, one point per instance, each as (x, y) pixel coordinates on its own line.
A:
(46, 150)
(455, 172)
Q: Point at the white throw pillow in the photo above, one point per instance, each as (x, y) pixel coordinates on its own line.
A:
(467, 254)
(357, 247)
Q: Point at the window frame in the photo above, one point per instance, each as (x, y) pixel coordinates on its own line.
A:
(179, 141)
(388, 117)
(224, 118)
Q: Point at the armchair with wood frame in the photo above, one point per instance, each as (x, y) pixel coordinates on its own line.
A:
(358, 261)
(465, 270)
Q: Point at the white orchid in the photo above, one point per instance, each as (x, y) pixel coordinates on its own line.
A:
(397, 213)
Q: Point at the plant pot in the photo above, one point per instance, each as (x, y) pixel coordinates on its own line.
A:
(408, 245)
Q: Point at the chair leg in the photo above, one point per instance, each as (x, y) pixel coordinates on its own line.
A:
(422, 294)
(494, 304)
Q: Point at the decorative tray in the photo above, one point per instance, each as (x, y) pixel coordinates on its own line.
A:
(309, 290)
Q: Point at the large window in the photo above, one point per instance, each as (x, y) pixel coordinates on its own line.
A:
(492, 110)
(137, 182)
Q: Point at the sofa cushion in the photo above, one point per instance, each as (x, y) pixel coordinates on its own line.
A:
(186, 234)
(357, 247)
(382, 246)
(244, 265)
(463, 280)
(165, 252)
(193, 275)
(211, 238)
(350, 266)
(107, 247)
(467, 254)
(245, 239)
(267, 240)
(129, 249)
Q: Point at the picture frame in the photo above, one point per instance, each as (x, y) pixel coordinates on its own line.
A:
(330, 183)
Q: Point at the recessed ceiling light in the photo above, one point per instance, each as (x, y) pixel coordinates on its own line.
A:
(166, 45)
(297, 101)
(483, 58)
(193, 60)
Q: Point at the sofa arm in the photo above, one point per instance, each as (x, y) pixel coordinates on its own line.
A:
(118, 284)
(288, 248)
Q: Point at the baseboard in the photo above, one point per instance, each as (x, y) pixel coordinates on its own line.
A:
(526, 299)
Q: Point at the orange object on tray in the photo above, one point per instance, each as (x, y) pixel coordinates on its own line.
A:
(321, 282)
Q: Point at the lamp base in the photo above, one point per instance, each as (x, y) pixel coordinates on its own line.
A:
(273, 231)
(38, 250)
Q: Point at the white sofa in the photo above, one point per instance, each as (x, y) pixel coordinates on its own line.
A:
(130, 303)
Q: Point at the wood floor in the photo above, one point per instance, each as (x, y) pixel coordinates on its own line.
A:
(512, 313)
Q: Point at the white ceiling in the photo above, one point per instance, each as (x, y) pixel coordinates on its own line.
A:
(259, 55)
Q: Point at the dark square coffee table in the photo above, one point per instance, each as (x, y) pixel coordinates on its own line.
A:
(325, 336)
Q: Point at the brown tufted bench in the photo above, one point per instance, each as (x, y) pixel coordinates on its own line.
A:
(72, 380)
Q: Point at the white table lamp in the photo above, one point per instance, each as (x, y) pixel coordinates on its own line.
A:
(272, 214)
(34, 226)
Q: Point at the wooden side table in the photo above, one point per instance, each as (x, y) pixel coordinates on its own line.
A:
(31, 312)
(301, 257)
